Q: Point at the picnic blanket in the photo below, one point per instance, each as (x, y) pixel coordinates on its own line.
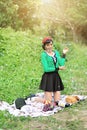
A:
(33, 108)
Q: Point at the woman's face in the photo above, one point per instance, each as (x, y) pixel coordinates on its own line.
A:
(49, 47)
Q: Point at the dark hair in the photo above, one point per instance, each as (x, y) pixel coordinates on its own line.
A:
(43, 46)
(47, 42)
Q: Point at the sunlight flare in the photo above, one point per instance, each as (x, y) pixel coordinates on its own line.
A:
(46, 1)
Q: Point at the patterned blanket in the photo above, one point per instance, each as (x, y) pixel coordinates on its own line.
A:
(34, 108)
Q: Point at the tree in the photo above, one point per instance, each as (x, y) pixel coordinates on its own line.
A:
(70, 15)
(7, 11)
(18, 14)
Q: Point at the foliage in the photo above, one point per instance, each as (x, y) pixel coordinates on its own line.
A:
(26, 13)
(60, 19)
(20, 74)
(7, 11)
(69, 16)
(18, 14)
(20, 67)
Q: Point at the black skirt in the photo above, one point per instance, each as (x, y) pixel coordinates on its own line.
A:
(51, 82)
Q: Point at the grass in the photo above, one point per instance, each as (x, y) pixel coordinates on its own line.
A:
(20, 74)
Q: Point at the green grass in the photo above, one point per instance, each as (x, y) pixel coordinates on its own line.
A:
(20, 74)
(20, 62)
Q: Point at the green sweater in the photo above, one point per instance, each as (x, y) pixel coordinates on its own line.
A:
(47, 61)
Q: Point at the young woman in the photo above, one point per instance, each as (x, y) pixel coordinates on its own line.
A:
(52, 62)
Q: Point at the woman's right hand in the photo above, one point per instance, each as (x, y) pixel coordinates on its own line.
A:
(65, 50)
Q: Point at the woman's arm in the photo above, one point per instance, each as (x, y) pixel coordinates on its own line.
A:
(61, 60)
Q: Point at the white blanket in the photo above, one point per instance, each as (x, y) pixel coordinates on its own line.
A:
(32, 108)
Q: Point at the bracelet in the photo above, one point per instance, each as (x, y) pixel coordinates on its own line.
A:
(64, 55)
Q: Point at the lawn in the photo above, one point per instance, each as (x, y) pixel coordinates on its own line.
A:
(20, 74)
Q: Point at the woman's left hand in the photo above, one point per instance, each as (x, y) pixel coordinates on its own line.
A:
(65, 50)
(61, 67)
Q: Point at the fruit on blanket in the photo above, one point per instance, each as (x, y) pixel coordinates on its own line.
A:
(72, 99)
(48, 107)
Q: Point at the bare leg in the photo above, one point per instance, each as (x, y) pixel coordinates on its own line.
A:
(57, 96)
(48, 95)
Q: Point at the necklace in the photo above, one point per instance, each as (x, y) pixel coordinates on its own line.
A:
(50, 53)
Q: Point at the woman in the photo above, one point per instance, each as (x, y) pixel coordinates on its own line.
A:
(52, 62)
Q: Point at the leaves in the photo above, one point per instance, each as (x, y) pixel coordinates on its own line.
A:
(20, 66)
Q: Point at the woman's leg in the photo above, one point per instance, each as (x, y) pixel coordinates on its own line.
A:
(48, 96)
(56, 96)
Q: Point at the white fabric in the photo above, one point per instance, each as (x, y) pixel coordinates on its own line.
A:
(32, 108)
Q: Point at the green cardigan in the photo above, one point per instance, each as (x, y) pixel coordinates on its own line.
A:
(48, 64)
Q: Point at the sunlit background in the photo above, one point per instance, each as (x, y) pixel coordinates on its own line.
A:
(46, 1)
(58, 18)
